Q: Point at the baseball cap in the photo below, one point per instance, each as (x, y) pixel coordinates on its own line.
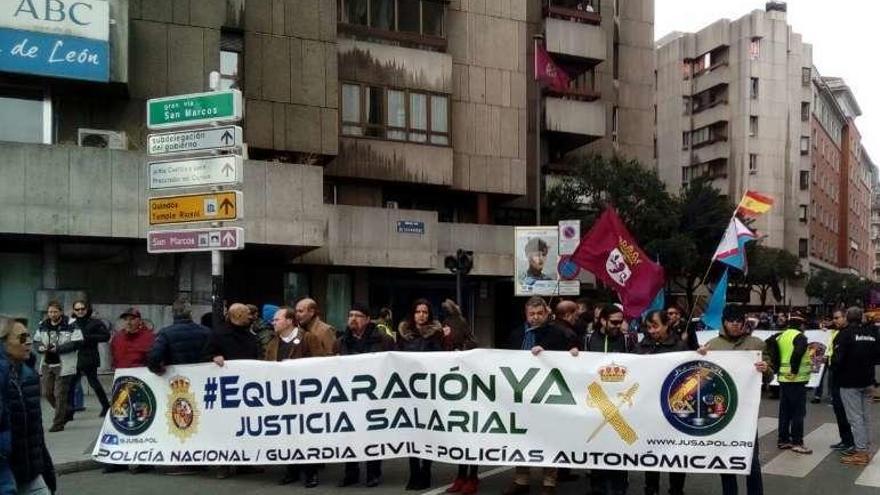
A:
(131, 312)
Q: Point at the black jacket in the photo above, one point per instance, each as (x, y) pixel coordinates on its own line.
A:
(372, 340)
(599, 342)
(232, 342)
(94, 332)
(800, 345)
(554, 338)
(672, 344)
(571, 334)
(856, 352)
(689, 337)
(29, 457)
(179, 343)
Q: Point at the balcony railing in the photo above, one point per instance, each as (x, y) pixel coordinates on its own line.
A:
(587, 12)
(579, 94)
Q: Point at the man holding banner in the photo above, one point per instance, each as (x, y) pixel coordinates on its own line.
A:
(734, 337)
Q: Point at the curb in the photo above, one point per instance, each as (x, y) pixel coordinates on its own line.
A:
(76, 466)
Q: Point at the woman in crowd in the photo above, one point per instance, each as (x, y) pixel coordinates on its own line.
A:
(660, 340)
(420, 332)
(21, 424)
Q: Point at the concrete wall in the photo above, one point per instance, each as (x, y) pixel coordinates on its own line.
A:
(488, 42)
(576, 117)
(91, 192)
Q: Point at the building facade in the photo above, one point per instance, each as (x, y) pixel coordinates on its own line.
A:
(729, 107)
(381, 136)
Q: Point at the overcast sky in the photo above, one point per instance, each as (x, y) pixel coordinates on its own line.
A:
(844, 33)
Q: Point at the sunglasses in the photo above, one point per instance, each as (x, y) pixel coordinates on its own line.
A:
(24, 338)
(79, 309)
(615, 322)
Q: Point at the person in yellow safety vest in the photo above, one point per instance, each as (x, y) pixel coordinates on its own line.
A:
(794, 373)
(843, 427)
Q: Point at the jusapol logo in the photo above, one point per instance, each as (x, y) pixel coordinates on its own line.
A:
(109, 439)
(699, 398)
(133, 406)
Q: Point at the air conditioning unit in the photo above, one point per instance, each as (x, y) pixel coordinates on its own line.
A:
(391, 204)
(99, 138)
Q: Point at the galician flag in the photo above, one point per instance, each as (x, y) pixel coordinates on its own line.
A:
(732, 249)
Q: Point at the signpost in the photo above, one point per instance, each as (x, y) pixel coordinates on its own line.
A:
(197, 157)
(194, 109)
(195, 140)
(179, 241)
(209, 171)
(188, 208)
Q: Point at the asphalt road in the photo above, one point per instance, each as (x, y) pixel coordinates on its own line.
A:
(784, 472)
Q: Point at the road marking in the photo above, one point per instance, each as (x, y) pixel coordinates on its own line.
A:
(794, 465)
(483, 475)
(871, 474)
(767, 425)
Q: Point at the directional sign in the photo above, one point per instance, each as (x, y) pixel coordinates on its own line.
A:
(194, 109)
(176, 241)
(196, 140)
(209, 171)
(210, 207)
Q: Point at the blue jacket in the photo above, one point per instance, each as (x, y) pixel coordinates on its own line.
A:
(179, 343)
(22, 445)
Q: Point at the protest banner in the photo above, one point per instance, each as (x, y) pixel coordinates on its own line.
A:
(671, 412)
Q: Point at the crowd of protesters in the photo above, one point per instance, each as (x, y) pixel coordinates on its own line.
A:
(51, 361)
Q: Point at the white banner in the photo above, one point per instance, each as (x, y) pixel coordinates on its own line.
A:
(672, 412)
(818, 342)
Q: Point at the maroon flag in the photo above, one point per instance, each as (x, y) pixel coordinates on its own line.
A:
(547, 72)
(610, 253)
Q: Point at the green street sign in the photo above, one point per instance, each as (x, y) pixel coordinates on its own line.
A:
(194, 109)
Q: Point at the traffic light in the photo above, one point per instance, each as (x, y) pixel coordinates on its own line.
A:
(462, 262)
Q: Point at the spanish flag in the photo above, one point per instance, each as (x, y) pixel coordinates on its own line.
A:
(754, 204)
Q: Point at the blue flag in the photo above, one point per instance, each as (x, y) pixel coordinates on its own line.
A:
(658, 304)
(712, 317)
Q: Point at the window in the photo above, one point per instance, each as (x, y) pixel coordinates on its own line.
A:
(806, 76)
(753, 126)
(25, 116)
(686, 105)
(805, 180)
(394, 114)
(685, 139)
(754, 88)
(615, 123)
(802, 248)
(425, 17)
(753, 163)
(231, 49)
(803, 213)
(805, 145)
(755, 48)
(805, 111)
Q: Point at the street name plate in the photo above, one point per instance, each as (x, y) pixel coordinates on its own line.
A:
(210, 207)
(194, 109)
(178, 241)
(209, 171)
(195, 140)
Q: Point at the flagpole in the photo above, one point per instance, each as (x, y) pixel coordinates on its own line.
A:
(538, 96)
(709, 268)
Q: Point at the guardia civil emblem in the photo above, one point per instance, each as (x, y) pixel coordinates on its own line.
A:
(613, 375)
(183, 411)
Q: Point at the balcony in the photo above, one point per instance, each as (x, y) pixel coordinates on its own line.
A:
(93, 192)
(577, 44)
(710, 152)
(397, 161)
(716, 113)
(571, 123)
(580, 11)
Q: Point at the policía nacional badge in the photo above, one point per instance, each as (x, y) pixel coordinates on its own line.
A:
(183, 410)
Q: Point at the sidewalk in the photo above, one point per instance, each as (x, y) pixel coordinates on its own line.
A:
(71, 449)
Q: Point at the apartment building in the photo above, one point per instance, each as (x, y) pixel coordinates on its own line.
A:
(382, 136)
(730, 103)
